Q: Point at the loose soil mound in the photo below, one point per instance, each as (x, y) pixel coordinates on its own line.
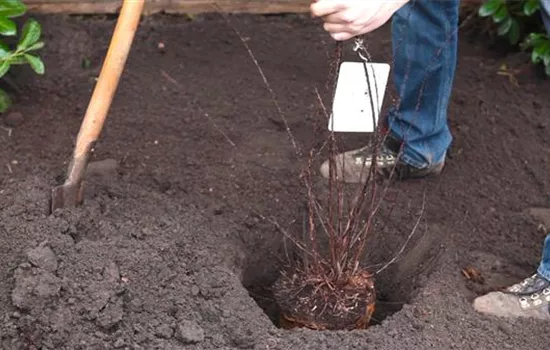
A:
(162, 254)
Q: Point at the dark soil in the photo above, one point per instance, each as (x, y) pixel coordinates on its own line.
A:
(171, 249)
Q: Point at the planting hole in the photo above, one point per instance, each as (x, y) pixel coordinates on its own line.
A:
(395, 286)
(392, 294)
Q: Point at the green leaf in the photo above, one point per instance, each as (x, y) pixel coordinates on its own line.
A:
(513, 34)
(489, 8)
(7, 27)
(535, 56)
(86, 63)
(12, 8)
(36, 46)
(531, 39)
(4, 50)
(505, 26)
(530, 7)
(546, 60)
(548, 69)
(4, 68)
(36, 63)
(542, 50)
(501, 14)
(534, 39)
(18, 60)
(5, 101)
(31, 34)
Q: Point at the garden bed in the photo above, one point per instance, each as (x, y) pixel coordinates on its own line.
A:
(171, 249)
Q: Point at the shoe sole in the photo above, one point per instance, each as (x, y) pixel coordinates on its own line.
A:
(433, 172)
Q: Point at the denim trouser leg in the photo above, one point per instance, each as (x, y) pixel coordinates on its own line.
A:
(425, 50)
(544, 267)
(545, 11)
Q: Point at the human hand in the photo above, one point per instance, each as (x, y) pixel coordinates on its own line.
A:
(345, 19)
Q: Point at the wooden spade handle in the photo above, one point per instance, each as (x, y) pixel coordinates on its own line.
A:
(109, 77)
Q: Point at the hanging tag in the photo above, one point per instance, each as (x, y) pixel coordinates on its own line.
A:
(359, 97)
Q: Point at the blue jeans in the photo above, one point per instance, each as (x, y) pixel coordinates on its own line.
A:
(544, 266)
(425, 45)
(425, 38)
(545, 12)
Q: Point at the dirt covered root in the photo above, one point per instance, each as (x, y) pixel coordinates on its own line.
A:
(308, 300)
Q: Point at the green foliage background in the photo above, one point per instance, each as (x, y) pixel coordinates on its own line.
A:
(521, 23)
(24, 51)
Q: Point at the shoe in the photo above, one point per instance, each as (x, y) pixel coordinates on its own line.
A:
(529, 298)
(353, 166)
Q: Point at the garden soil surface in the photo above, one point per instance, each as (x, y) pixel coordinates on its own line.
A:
(178, 241)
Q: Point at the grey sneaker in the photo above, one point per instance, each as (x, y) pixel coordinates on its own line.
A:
(529, 298)
(353, 166)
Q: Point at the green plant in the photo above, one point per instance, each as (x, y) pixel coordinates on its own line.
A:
(540, 44)
(520, 22)
(27, 43)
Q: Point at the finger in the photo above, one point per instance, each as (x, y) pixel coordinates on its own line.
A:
(339, 28)
(343, 17)
(341, 36)
(371, 26)
(378, 21)
(323, 8)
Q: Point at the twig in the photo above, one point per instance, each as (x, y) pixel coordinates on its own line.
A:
(220, 130)
(467, 19)
(170, 79)
(9, 130)
(408, 238)
(264, 78)
(175, 82)
(284, 232)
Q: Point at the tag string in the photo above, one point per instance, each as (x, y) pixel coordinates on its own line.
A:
(359, 47)
(362, 52)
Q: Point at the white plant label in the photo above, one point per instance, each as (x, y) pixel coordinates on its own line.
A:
(358, 100)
